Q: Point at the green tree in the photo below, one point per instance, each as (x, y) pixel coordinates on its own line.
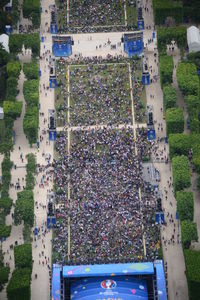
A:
(24, 208)
(23, 256)
(19, 285)
(192, 263)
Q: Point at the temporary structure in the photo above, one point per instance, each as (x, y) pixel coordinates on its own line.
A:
(4, 40)
(193, 39)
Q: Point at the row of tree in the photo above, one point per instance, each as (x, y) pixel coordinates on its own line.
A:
(31, 95)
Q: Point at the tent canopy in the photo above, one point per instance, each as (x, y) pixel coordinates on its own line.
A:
(193, 39)
(4, 40)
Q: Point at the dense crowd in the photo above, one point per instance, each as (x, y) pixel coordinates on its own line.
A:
(91, 16)
(108, 218)
(101, 95)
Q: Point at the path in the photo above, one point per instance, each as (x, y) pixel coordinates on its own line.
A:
(40, 287)
(97, 127)
(173, 254)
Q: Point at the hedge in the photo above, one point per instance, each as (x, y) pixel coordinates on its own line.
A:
(31, 70)
(30, 124)
(31, 170)
(6, 176)
(11, 88)
(196, 157)
(13, 69)
(179, 144)
(188, 233)
(174, 120)
(191, 11)
(181, 172)
(169, 96)
(6, 144)
(24, 208)
(4, 231)
(4, 273)
(163, 9)
(19, 285)
(12, 109)
(192, 263)
(166, 69)
(31, 6)
(193, 108)
(31, 92)
(31, 40)
(166, 35)
(23, 256)
(187, 78)
(185, 205)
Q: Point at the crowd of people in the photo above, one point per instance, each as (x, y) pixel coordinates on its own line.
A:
(91, 16)
(102, 95)
(108, 216)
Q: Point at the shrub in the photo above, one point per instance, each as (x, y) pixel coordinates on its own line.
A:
(167, 8)
(185, 205)
(4, 273)
(169, 96)
(23, 256)
(19, 285)
(24, 208)
(27, 234)
(188, 80)
(179, 144)
(31, 71)
(4, 231)
(192, 263)
(196, 157)
(174, 120)
(31, 165)
(13, 69)
(12, 109)
(6, 176)
(188, 233)
(166, 69)
(181, 172)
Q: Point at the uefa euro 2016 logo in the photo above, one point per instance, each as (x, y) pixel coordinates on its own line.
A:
(108, 284)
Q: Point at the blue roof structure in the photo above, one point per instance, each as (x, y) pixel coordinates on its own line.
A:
(108, 270)
(119, 287)
(108, 281)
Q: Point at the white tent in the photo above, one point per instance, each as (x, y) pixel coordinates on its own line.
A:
(193, 39)
(4, 40)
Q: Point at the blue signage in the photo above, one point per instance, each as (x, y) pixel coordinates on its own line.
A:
(151, 135)
(140, 24)
(145, 78)
(42, 39)
(52, 135)
(54, 28)
(52, 82)
(51, 221)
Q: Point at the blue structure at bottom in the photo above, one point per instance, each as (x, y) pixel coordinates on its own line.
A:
(109, 281)
(133, 43)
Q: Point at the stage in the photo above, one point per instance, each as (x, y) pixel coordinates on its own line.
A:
(139, 281)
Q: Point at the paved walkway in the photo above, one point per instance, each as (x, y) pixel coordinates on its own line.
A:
(173, 254)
